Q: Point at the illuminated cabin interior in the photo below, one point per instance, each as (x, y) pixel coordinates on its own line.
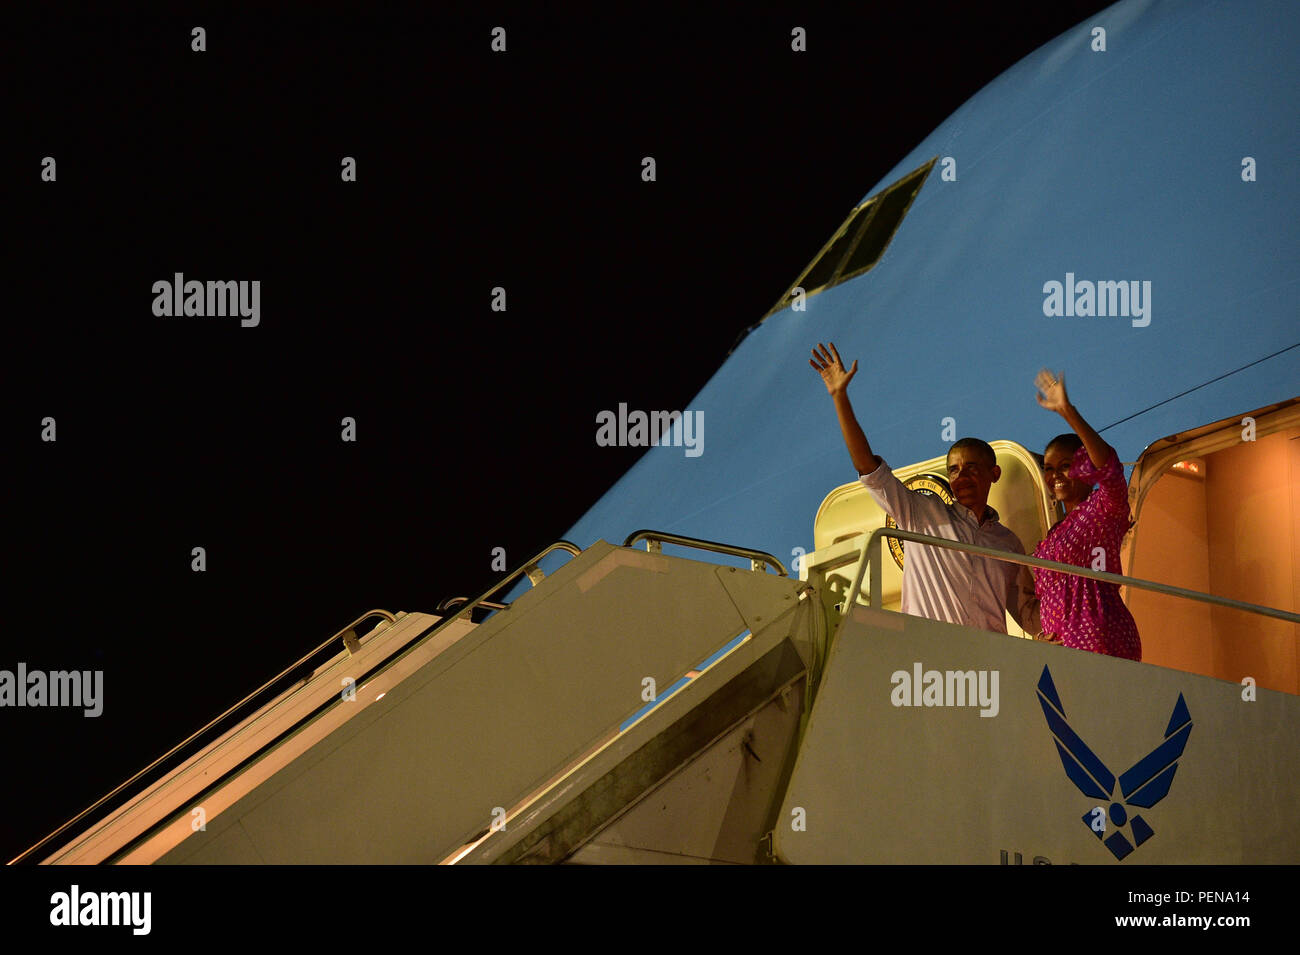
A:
(1218, 511)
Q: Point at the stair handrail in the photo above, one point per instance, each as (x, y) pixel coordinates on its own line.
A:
(530, 567)
(350, 642)
(450, 602)
(757, 558)
(870, 556)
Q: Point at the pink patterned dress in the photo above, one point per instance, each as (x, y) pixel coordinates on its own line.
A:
(1088, 614)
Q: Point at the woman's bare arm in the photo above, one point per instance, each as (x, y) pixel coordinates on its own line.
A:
(1054, 398)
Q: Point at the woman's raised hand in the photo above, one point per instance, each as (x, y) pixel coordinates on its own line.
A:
(1051, 387)
(827, 364)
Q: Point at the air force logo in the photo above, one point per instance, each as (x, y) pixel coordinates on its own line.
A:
(1142, 786)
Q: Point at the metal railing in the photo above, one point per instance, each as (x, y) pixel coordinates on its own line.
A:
(350, 642)
(870, 555)
(456, 601)
(530, 567)
(758, 560)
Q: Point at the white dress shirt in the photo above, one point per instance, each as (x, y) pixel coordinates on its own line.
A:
(947, 584)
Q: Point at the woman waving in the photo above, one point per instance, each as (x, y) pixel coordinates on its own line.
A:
(1078, 612)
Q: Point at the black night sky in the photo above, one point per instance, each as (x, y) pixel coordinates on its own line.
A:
(475, 428)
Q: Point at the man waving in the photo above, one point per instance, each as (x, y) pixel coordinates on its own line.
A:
(942, 584)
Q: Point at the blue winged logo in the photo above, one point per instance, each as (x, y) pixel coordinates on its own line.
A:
(1142, 786)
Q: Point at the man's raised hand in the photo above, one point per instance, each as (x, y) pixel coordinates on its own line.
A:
(827, 364)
